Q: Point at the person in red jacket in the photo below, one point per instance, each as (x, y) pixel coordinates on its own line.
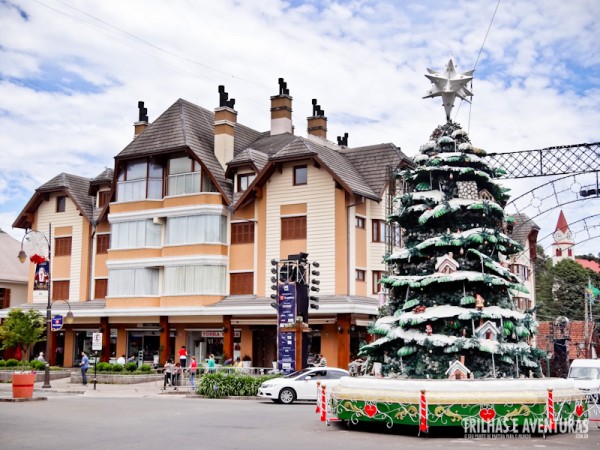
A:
(182, 356)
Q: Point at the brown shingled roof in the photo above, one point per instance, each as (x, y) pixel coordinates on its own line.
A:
(374, 161)
(185, 125)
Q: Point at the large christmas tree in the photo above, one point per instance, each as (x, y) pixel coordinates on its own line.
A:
(450, 291)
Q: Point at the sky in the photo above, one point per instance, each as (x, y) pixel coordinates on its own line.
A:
(72, 72)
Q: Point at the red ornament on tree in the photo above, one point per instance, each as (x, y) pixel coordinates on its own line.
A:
(428, 330)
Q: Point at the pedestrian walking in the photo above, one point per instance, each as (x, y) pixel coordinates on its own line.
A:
(85, 365)
(210, 364)
(177, 370)
(192, 370)
(168, 373)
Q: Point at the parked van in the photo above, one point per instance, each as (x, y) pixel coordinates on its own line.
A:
(585, 374)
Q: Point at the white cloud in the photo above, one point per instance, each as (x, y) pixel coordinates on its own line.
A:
(536, 82)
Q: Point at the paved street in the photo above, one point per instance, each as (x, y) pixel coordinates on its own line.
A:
(139, 416)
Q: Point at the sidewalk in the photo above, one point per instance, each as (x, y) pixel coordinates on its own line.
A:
(64, 386)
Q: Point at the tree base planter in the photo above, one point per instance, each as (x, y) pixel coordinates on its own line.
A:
(22, 385)
(478, 406)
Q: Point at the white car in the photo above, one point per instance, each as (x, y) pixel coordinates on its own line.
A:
(300, 385)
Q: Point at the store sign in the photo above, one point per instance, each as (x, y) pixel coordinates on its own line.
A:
(217, 334)
(148, 325)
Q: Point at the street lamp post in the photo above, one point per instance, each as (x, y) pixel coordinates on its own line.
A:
(42, 248)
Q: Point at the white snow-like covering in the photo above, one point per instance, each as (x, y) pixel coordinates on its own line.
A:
(400, 254)
(466, 157)
(479, 173)
(404, 253)
(421, 158)
(419, 207)
(412, 335)
(495, 312)
(446, 311)
(427, 195)
(456, 386)
(460, 275)
(466, 146)
(458, 132)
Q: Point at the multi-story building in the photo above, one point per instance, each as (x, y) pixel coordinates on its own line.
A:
(173, 247)
(525, 231)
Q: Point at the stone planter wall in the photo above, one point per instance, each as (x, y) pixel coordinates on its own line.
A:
(104, 378)
(5, 375)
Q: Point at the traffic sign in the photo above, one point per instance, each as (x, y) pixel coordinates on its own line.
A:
(57, 323)
(96, 341)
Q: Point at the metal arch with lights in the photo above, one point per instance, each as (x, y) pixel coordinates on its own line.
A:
(42, 247)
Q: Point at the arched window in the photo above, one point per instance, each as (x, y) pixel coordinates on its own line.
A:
(558, 252)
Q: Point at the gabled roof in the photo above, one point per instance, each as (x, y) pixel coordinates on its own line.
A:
(248, 157)
(370, 160)
(75, 187)
(361, 171)
(105, 178)
(187, 126)
(522, 228)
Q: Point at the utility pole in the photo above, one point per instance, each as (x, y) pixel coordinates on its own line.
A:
(585, 328)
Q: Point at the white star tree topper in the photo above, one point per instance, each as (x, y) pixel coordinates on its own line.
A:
(449, 85)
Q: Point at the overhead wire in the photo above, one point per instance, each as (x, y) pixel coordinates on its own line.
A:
(137, 38)
(477, 60)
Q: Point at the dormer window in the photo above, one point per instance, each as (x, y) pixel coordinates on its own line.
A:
(103, 198)
(244, 180)
(61, 203)
(300, 175)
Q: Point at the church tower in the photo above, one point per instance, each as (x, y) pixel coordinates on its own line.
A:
(563, 241)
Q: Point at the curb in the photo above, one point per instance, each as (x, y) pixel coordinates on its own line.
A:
(20, 400)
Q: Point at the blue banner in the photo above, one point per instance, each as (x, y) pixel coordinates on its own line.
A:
(286, 335)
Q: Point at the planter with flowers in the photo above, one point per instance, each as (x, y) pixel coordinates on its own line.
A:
(22, 329)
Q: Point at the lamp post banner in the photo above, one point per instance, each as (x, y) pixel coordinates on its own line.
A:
(57, 323)
(40, 281)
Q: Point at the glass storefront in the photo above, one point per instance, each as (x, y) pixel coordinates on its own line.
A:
(82, 342)
(202, 343)
(144, 346)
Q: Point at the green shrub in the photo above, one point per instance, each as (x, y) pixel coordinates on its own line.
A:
(217, 385)
(131, 367)
(12, 362)
(2, 363)
(117, 368)
(104, 367)
(145, 368)
(37, 365)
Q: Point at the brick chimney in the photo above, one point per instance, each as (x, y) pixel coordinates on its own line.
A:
(225, 120)
(142, 122)
(281, 111)
(317, 123)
